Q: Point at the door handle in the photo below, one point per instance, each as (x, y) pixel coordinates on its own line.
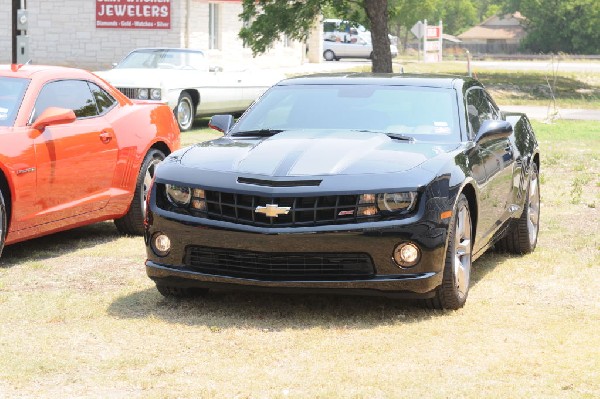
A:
(106, 136)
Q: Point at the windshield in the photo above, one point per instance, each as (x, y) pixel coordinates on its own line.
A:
(424, 113)
(11, 95)
(164, 59)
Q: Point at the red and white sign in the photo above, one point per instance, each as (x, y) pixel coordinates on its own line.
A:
(433, 32)
(133, 14)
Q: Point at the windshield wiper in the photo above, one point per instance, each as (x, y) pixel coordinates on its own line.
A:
(395, 136)
(399, 136)
(257, 133)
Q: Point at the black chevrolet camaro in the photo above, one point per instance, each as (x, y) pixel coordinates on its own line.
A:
(357, 183)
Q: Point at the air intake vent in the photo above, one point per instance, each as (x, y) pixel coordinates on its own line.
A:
(279, 183)
(273, 266)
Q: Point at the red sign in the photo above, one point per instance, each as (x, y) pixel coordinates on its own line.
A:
(433, 32)
(133, 14)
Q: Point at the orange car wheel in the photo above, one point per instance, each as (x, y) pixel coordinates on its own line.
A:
(3, 222)
(133, 221)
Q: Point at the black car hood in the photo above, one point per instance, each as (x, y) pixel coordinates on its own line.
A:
(302, 154)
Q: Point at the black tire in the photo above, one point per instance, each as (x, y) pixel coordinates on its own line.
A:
(453, 292)
(521, 237)
(169, 291)
(133, 221)
(3, 222)
(329, 55)
(185, 111)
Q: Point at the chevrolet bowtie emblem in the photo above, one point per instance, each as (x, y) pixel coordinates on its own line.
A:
(273, 210)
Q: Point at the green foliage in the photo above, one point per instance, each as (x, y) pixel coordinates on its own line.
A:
(457, 16)
(406, 13)
(266, 20)
(553, 26)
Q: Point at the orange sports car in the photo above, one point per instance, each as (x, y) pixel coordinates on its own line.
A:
(75, 151)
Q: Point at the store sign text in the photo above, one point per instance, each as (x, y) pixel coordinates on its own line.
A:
(133, 14)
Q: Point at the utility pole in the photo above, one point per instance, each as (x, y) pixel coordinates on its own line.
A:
(15, 6)
(20, 41)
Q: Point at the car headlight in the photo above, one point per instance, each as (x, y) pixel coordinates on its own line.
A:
(143, 94)
(178, 195)
(155, 94)
(397, 202)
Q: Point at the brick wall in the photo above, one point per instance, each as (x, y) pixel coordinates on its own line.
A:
(63, 32)
(5, 31)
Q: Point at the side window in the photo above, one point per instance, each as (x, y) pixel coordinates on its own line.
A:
(493, 106)
(104, 101)
(479, 109)
(70, 94)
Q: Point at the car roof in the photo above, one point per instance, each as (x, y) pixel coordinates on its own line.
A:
(383, 79)
(29, 71)
(187, 50)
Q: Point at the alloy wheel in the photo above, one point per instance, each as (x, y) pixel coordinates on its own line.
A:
(462, 251)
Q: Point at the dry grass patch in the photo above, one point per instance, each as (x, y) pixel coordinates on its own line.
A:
(81, 319)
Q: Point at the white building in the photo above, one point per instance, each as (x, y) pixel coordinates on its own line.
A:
(92, 34)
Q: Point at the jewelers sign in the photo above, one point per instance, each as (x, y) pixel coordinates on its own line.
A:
(133, 14)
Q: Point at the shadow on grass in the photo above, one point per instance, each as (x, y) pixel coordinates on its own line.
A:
(57, 244)
(270, 311)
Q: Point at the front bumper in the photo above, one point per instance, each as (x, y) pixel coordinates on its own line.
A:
(375, 241)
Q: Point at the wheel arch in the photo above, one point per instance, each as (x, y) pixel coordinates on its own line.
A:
(160, 145)
(195, 94)
(6, 193)
(469, 191)
(536, 160)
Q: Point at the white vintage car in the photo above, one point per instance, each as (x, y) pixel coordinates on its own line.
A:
(183, 79)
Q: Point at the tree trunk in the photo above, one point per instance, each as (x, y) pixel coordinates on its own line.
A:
(377, 13)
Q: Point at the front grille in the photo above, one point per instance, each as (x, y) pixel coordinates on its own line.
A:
(303, 212)
(277, 266)
(128, 91)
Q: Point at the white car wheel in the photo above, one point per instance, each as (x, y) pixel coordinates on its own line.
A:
(184, 112)
(329, 55)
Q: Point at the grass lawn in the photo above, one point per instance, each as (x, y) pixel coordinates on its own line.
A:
(569, 89)
(79, 318)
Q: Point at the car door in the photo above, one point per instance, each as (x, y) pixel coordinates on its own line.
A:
(220, 90)
(497, 158)
(75, 161)
(360, 48)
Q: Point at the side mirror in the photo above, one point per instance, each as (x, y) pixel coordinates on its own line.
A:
(493, 129)
(221, 123)
(53, 116)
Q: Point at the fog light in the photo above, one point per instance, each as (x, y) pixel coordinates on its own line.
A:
(199, 205)
(367, 199)
(367, 211)
(407, 254)
(161, 244)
